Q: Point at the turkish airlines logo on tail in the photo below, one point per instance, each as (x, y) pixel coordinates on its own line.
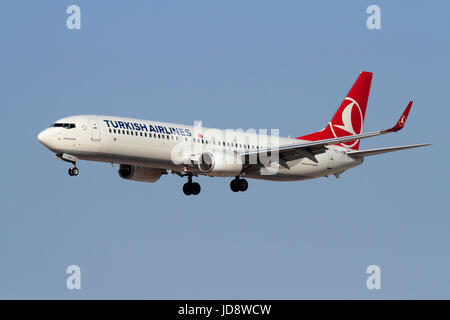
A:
(351, 125)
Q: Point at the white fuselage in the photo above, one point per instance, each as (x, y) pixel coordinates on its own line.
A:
(158, 144)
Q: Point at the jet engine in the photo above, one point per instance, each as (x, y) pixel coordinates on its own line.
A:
(138, 173)
(217, 163)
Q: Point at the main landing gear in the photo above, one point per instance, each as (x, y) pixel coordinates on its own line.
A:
(191, 187)
(238, 184)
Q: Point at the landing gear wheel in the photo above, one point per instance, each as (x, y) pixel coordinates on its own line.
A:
(191, 187)
(238, 185)
(73, 171)
(243, 185)
(195, 188)
(234, 185)
(187, 189)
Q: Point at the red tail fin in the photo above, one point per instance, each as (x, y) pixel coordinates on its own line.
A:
(349, 118)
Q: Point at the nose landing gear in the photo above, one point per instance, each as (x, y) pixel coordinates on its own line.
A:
(238, 184)
(73, 171)
(71, 159)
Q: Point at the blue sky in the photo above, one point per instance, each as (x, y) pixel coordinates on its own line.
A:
(231, 64)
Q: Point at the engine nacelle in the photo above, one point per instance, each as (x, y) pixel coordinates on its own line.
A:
(138, 173)
(217, 163)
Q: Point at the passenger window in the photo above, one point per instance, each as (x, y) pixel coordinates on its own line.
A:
(159, 136)
(110, 131)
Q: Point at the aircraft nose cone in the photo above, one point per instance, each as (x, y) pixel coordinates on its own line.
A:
(43, 137)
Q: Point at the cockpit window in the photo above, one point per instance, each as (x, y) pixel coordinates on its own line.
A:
(64, 125)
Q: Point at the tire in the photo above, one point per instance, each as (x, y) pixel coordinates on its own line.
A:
(243, 185)
(187, 189)
(75, 171)
(70, 172)
(234, 185)
(195, 188)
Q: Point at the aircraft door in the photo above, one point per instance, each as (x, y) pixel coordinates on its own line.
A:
(335, 157)
(331, 158)
(95, 130)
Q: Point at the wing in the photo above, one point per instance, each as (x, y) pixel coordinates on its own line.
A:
(310, 149)
(371, 152)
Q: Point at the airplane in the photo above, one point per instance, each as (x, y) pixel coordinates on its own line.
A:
(145, 150)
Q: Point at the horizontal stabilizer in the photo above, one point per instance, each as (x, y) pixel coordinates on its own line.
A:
(371, 152)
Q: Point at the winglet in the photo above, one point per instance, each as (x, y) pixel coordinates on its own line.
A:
(401, 122)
